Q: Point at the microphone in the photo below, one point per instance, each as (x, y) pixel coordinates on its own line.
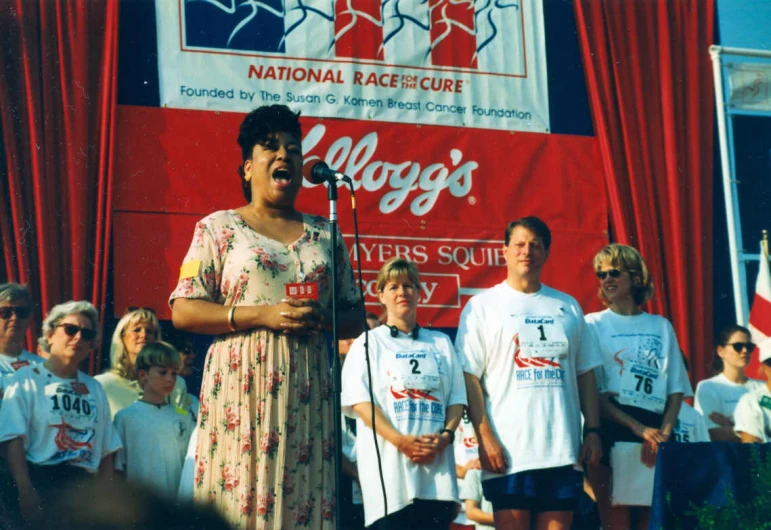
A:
(318, 172)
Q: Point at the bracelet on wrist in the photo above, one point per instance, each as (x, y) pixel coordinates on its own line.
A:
(450, 433)
(590, 430)
(231, 319)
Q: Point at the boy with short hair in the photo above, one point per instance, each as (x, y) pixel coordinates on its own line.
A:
(154, 433)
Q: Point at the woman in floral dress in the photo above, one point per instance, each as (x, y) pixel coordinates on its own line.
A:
(265, 456)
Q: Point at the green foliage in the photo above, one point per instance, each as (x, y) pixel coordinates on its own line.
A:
(754, 513)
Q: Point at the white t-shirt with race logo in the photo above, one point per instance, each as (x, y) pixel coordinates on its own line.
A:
(690, 426)
(155, 440)
(466, 448)
(414, 381)
(9, 365)
(753, 414)
(642, 364)
(721, 395)
(531, 399)
(59, 420)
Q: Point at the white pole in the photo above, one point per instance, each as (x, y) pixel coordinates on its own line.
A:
(731, 200)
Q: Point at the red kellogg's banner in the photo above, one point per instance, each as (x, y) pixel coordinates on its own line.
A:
(438, 196)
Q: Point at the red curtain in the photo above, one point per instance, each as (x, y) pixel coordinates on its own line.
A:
(650, 88)
(58, 87)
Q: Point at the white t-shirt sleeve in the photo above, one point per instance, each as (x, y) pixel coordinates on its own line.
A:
(748, 417)
(469, 342)
(457, 390)
(701, 432)
(677, 375)
(14, 414)
(111, 441)
(589, 356)
(120, 428)
(472, 486)
(354, 376)
(707, 401)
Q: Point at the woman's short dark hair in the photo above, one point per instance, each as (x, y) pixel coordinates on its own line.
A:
(721, 339)
(535, 225)
(258, 126)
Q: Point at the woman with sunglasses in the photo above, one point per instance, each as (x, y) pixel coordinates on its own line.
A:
(642, 381)
(15, 311)
(717, 397)
(55, 421)
(139, 326)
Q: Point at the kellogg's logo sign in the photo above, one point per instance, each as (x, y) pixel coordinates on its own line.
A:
(394, 180)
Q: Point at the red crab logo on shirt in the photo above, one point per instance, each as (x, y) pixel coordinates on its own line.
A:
(70, 439)
(412, 394)
(531, 362)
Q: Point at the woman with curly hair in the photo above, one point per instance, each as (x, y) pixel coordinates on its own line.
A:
(259, 278)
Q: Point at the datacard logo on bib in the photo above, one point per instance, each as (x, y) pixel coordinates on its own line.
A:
(469, 63)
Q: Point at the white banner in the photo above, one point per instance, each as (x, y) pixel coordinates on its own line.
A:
(465, 63)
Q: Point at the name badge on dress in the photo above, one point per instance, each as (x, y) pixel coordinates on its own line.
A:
(542, 336)
(303, 290)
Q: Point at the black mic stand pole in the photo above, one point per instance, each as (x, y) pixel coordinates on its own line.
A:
(336, 367)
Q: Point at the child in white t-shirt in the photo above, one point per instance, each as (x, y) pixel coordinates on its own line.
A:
(753, 413)
(154, 433)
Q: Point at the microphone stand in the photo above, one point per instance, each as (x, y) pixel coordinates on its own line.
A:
(336, 367)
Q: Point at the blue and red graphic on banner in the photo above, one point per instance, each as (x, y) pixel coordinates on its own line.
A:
(475, 63)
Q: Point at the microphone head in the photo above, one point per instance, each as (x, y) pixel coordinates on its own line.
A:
(313, 171)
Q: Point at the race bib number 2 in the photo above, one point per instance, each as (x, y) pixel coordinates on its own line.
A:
(418, 370)
(541, 336)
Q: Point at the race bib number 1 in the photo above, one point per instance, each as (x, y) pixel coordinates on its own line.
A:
(542, 337)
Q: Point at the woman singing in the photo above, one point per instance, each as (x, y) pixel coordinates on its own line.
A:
(265, 455)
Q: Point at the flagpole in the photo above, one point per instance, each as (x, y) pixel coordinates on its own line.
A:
(764, 243)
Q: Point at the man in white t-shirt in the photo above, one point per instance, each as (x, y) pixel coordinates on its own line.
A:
(529, 362)
(753, 413)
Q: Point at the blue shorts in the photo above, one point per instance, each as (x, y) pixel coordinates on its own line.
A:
(555, 489)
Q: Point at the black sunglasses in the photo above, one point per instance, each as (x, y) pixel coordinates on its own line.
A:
(20, 312)
(71, 330)
(739, 346)
(613, 273)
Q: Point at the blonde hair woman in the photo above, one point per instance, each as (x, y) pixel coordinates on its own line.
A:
(419, 394)
(642, 380)
(135, 329)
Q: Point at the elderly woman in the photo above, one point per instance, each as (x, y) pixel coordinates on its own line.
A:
(15, 311)
(419, 395)
(55, 420)
(259, 278)
(643, 379)
(135, 329)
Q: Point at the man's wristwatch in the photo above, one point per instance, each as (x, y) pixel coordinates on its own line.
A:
(590, 430)
(448, 431)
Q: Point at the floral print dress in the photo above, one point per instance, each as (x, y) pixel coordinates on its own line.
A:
(265, 454)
